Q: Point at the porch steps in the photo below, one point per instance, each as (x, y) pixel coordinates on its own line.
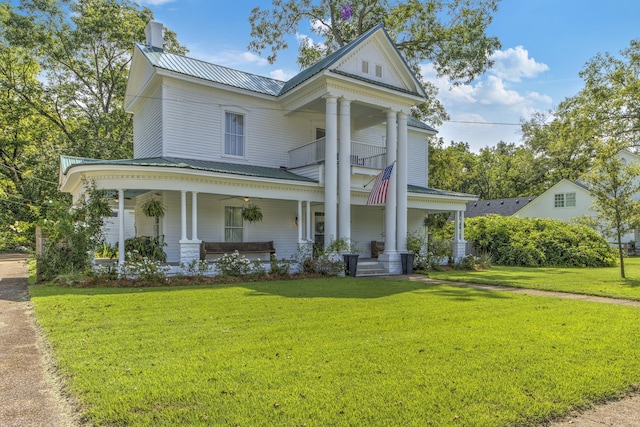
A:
(369, 267)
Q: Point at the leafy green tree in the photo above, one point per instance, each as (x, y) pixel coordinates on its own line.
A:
(63, 72)
(449, 34)
(615, 186)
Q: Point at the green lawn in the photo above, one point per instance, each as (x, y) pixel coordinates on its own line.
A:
(592, 281)
(335, 352)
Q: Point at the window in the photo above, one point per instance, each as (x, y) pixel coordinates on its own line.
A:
(233, 134)
(379, 71)
(565, 200)
(232, 224)
(365, 67)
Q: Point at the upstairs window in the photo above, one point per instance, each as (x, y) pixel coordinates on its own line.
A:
(234, 133)
(364, 67)
(379, 71)
(565, 200)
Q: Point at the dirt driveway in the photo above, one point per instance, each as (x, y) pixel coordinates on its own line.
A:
(30, 394)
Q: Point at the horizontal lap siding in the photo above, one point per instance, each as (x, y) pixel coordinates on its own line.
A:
(147, 128)
(194, 120)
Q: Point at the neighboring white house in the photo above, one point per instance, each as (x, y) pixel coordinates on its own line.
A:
(568, 200)
(207, 139)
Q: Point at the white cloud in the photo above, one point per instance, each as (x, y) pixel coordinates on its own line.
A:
(514, 63)
(280, 74)
(494, 92)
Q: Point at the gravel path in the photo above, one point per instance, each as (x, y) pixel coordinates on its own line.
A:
(30, 394)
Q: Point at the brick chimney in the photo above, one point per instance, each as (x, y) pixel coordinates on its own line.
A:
(155, 34)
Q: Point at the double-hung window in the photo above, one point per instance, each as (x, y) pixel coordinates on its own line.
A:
(564, 200)
(232, 224)
(234, 134)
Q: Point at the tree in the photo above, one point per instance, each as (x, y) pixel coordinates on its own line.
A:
(449, 34)
(615, 186)
(63, 72)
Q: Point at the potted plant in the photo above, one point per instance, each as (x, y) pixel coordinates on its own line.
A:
(349, 250)
(153, 208)
(251, 213)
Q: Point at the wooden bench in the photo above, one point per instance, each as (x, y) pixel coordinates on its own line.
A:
(243, 248)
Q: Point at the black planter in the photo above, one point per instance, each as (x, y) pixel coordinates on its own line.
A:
(407, 263)
(350, 264)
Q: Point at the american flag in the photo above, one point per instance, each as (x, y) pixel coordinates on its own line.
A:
(378, 194)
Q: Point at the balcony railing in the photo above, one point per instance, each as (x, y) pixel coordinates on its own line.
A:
(365, 155)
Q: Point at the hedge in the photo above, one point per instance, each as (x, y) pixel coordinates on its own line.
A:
(533, 242)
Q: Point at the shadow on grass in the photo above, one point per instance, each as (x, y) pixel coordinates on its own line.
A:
(329, 287)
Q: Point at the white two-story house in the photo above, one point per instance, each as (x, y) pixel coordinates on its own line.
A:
(209, 139)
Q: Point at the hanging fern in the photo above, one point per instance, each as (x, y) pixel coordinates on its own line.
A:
(251, 213)
(153, 208)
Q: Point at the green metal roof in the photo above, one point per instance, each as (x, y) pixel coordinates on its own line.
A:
(436, 192)
(211, 72)
(204, 165)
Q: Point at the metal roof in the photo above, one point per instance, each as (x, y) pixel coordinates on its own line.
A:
(435, 191)
(172, 162)
(211, 72)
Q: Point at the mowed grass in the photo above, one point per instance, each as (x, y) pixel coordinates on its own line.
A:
(339, 352)
(591, 281)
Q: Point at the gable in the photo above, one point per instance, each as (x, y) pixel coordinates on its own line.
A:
(376, 60)
(543, 206)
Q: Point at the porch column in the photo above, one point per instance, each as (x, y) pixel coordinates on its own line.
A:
(183, 214)
(331, 170)
(299, 221)
(120, 226)
(308, 221)
(344, 175)
(391, 203)
(459, 244)
(403, 166)
(194, 215)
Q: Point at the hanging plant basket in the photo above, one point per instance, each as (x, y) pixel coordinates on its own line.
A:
(153, 208)
(251, 213)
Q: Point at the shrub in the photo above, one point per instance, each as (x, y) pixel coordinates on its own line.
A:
(235, 265)
(147, 247)
(143, 268)
(318, 260)
(279, 268)
(196, 268)
(532, 242)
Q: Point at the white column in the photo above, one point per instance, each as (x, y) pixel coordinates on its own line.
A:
(299, 217)
(308, 220)
(194, 215)
(462, 225)
(456, 226)
(183, 215)
(390, 205)
(344, 172)
(402, 175)
(331, 170)
(120, 226)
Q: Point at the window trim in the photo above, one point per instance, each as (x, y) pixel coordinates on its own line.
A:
(560, 200)
(375, 71)
(232, 227)
(367, 63)
(245, 124)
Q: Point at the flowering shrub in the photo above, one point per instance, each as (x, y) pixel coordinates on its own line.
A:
(324, 262)
(196, 268)
(236, 265)
(279, 268)
(143, 268)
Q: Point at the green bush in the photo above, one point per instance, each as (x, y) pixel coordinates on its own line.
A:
(146, 247)
(532, 242)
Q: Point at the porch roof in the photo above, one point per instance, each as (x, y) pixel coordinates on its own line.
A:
(437, 192)
(67, 163)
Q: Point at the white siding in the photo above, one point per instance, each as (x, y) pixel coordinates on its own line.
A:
(418, 159)
(147, 128)
(111, 227)
(193, 123)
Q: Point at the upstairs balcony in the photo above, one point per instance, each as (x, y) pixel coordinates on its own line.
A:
(363, 155)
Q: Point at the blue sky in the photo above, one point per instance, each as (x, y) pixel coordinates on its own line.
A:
(545, 44)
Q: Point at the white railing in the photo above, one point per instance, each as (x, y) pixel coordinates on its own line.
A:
(365, 155)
